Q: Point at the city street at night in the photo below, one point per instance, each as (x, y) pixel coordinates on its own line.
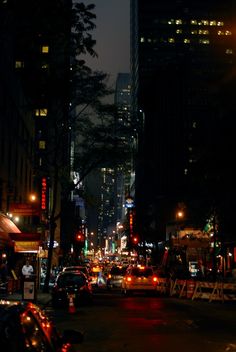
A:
(139, 323)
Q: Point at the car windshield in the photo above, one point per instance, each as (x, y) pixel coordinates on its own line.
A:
(71, 279)
(142, 272)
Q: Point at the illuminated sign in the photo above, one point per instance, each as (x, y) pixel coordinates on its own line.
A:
(44, 193)
(24, 209)
(27, 246)
(129, 202)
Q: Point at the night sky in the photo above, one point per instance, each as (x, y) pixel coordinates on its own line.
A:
(113, 37)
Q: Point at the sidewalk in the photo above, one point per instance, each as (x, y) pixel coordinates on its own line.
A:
(42, 298)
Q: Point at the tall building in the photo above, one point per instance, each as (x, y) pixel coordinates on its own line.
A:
(35, 131)
(124, 172)
(183, 87)
(110, 184)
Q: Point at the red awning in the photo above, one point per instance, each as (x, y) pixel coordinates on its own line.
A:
(6, 226)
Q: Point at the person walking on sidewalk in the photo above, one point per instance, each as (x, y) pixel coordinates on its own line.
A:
(27, 270)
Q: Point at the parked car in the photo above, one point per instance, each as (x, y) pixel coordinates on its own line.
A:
(73, 284)
(82, 268)
(24, 327)
(139, 279)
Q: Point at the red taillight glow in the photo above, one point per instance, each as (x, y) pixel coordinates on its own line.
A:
(154, 279)
(129, 278)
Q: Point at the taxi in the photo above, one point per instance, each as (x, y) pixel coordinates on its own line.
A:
(139, 279)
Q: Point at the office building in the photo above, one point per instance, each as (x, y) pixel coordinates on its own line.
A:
(183, 87)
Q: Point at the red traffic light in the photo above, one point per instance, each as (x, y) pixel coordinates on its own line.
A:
(135, 239)
(79, 237)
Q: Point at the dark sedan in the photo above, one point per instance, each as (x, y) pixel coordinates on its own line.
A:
(24, 327)
(73, 285)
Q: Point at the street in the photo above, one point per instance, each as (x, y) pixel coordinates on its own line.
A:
(115, 323)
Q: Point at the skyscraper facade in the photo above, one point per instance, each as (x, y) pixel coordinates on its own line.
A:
(183, 85)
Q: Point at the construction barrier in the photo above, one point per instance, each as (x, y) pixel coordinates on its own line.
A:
(191, 289)
(191, 284)
(163, 285)
(229, 291)
(211, 291)
(178, 288)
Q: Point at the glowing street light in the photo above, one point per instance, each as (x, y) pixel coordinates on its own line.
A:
(32, 197)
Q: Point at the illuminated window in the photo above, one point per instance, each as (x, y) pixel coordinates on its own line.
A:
(220, 32)
(45, 49)
(45, 66)
(212, 23)
(204, 41)
(171, 40)
(228, 33)
(205, 22)
(42, 144)
(229, 51)
(194, 31)
(172, 21)
(178, 22)
(220, 23)
(194, 22)
(142, 40)
(203, 31)
(19, 64)
(186, 41)
(41, 112)
(179, 31)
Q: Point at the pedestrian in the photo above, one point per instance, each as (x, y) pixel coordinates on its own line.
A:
(27, 269)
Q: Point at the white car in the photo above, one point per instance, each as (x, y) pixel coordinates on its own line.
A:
(139, 279)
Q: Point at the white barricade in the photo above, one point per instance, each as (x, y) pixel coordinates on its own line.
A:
(163, 285)
(178, 288)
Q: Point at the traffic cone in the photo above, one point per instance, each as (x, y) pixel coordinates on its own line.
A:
(71, 305)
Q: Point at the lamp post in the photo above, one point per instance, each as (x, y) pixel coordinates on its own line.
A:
(179, 217)
(214, 264)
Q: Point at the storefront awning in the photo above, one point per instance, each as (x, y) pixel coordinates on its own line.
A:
(6, 226)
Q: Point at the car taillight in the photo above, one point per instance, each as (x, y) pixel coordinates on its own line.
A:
(129, 278)
(109, 276)
(154, 279)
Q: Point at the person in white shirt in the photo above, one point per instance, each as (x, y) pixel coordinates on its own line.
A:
(27, 269)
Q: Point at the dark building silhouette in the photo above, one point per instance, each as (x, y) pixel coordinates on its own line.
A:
(34, 115)
(183, 91)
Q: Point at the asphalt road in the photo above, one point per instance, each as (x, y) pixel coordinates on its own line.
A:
(115, 323)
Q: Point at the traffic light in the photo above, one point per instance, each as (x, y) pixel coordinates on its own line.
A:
(135, 240)
(79, 237)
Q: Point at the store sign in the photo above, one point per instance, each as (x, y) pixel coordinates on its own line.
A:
(129, 202)
(22, 209)
(27, 246)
